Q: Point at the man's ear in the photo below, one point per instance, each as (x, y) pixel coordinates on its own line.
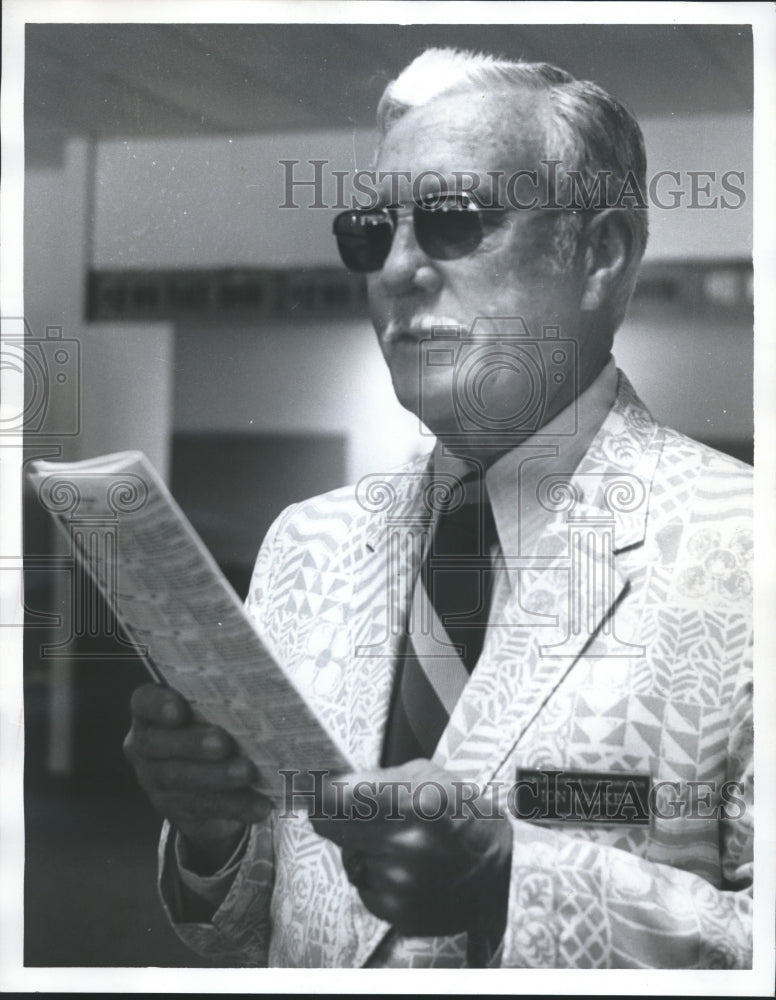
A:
(608, 255)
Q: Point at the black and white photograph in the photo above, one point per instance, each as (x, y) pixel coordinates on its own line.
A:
(385, 387)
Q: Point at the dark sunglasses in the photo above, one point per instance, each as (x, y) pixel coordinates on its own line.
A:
(447, 226)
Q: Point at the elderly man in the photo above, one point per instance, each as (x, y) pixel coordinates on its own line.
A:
(532, 643)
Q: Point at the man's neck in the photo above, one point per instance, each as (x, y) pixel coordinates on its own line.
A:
(480, 449)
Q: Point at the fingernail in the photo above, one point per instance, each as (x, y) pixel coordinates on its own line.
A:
(170, 711)
(237, 769)
(212, 742)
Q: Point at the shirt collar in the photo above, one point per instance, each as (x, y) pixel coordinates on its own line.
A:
(557, 449)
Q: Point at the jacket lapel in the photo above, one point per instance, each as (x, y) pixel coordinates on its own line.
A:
(573, 587)
(392, 524)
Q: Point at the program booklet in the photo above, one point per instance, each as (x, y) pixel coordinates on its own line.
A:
(176, 606)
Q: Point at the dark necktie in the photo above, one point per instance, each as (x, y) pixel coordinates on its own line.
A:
(446, 627)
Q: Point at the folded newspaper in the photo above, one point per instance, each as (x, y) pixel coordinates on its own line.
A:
(174, 603)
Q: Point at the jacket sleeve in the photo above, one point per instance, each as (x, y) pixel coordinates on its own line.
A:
(235, 930)
(578, 904)
(238, 931)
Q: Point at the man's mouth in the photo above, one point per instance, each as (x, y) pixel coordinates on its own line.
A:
(417, 330)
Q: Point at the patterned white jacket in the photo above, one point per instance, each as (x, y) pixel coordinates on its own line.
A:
(657, 680)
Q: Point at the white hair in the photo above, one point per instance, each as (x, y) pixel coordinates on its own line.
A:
(589, 131)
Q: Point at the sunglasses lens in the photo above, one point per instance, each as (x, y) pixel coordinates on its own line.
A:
(448, 229)
(445, 229)
(364, 239)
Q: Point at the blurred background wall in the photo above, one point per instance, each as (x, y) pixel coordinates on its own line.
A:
(218, 333)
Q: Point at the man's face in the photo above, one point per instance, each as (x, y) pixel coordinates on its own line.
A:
(512, 274)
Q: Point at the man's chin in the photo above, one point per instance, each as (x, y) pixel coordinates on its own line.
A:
(409, 397)
(429, 411)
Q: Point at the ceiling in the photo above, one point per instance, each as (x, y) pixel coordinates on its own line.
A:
(111, 80)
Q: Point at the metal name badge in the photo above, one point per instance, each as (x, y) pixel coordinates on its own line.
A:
(613, 798)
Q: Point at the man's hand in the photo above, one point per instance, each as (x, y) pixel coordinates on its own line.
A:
(427, 876)
(192, 775)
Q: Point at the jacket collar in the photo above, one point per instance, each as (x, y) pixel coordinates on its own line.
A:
(611, 477)
(613, 481)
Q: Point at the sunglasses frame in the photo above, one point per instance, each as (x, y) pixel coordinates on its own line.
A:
(430, 206)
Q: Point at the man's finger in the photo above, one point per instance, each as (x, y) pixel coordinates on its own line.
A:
(384, 875)
(181, 775)
(366, 810)
(384, 905)
(189, 811)
(244, 805)
(383, 793)
(193, 742)
(373, 836)
(158, 705)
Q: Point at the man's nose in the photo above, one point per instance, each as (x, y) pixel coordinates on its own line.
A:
(407, 268)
